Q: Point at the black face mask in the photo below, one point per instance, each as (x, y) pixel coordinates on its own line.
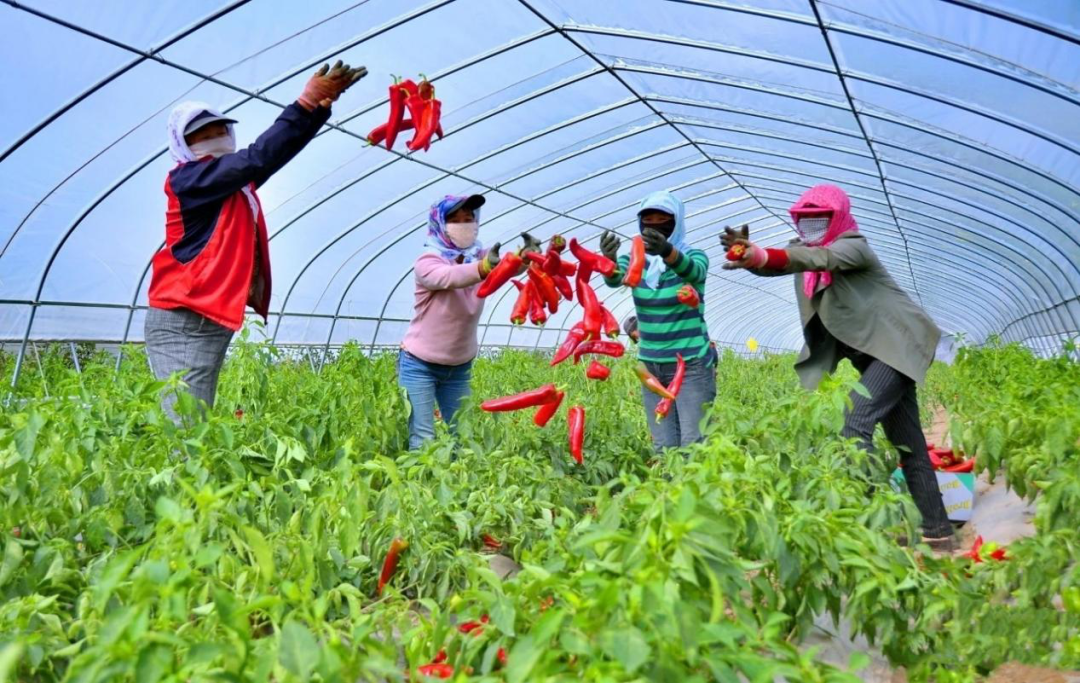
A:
(667, 228)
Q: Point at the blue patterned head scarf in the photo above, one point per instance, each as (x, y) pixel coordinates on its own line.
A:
(438, 242)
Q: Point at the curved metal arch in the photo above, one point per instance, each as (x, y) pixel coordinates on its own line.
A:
(834, 27)
(860, 172)
(614, 74)
(444, 176)
(1011, 17)
(922, 131)
(1035, 131)
(530, 202)
(403, 235)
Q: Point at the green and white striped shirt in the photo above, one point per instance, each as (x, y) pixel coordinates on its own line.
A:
(666, 326)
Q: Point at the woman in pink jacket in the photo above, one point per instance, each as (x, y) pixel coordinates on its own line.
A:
(435, 362)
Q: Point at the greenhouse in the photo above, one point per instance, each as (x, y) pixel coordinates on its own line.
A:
(540, 340)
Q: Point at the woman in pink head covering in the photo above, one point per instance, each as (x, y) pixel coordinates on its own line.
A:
(852, 308)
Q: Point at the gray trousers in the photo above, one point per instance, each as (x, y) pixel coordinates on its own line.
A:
(894, 403)
(180, 340)
(682, 426)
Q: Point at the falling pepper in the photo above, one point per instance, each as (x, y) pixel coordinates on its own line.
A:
(604, 348)
(573, 339)
(563, 285)
(598, 262)
(598, 371)
(521, 306)
(558, 243)
(547, 411)
(637, 262)
(651, 383)
(575, 422)
(397, 546)
(664, 406)
(688, 296)
(526, 399)
(501, 274)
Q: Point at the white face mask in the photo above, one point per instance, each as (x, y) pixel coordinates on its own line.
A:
(812, 229)
(214, 147)
(463, 235)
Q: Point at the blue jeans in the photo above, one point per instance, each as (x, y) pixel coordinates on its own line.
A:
(682, 426)
(428, 384)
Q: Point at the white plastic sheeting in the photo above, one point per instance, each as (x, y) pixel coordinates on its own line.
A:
(953, 124)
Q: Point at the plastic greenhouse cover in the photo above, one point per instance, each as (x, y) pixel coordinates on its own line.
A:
(953, 124)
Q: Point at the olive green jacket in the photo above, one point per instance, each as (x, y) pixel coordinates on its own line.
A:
(863, 308)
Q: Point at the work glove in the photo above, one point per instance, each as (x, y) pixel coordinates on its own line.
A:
(728, 237)
(609, 245)
(530, 243)
(753, 256)
(328, 83)
(490, 260)
(655, 243)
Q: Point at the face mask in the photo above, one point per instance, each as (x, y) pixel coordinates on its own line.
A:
(214, 147)
(667, 228)
(812, 229)
(463, 235)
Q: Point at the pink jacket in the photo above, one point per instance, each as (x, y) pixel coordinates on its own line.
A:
(447, 311)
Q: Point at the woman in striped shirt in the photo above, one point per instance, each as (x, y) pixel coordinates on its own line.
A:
(667, 327)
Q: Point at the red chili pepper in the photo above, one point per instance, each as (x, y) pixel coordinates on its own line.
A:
(652, 384)
(526, 399)
(999, 555)
(439, 658)
(598, 371)
(736, 253)
(501, 656)
(594, 317)
(558, 243)
(422, 138)
(499, 275)
(397, 94)
(537, 314)
(637, 262)
(611, 325)
(575, 422)
(604, 348)
(397, 546)
(538, 259)
(965, 466)
(594, 261)
(974, 552)
(425, 88)
(545, 286)
(664, 406)
(688, 296)
(378, 133)
(563, 285)
(491, 542)
(440, 670)
(575, 337)
(239, 414)
(521, 306)
(547, 411)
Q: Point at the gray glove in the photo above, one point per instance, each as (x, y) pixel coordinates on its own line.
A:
(609, 245)
(530, 243)
(491, 259)
(728, 237)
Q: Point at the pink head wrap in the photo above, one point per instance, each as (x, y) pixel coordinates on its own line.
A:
(817, 200)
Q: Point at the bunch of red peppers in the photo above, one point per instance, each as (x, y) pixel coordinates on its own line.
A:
(949, 460)
(424, 115)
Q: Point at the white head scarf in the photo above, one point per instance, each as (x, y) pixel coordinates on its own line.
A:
(178, 121)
